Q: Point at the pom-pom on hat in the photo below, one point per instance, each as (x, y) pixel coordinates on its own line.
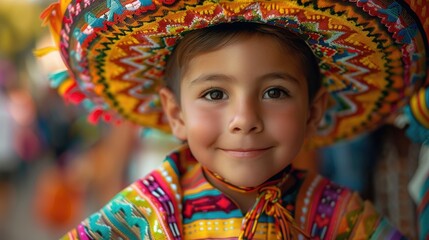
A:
(372, 53)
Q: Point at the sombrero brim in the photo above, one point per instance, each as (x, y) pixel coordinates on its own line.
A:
(372, 53)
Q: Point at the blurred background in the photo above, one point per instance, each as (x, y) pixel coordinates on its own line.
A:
(56, 168)
(54, 165)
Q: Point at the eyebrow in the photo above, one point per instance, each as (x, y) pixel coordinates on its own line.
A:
(209, 77)
(279, 75)
(268, 76)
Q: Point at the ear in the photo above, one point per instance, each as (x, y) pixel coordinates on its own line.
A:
(173, 112)
(317, 111)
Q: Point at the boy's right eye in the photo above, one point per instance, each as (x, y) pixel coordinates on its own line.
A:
(215, 95)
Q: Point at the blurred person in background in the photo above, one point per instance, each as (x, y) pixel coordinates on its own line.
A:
(8, 157)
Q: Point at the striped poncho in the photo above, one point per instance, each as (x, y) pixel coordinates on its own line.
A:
(177, 202)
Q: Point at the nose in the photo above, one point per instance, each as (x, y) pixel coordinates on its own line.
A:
(246, 118)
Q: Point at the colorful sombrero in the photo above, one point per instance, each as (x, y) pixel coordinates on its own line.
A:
(373, 53)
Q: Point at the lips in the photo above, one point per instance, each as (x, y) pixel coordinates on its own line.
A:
(246, 153)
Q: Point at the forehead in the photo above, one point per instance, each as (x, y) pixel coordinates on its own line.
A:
(201, 42)
(248, 58)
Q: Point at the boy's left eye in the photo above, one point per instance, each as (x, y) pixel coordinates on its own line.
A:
(275, 93)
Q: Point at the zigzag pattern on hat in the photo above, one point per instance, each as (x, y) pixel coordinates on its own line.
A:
(105, 46)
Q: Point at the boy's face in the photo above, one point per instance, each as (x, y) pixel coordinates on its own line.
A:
(244, 109)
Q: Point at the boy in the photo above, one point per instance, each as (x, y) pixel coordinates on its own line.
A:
(245, 95)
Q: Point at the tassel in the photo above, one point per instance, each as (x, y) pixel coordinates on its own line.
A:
(44, 51)
(76, 97)
(66, 86)
(107, 117)
(88, 104)
(57, 78)
(53, 16)
(95, 116)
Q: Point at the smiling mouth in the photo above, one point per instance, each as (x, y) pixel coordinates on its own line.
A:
(245, 153)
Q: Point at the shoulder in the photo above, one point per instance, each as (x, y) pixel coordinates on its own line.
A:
(319, 198)
(330, 211)
(149, 207)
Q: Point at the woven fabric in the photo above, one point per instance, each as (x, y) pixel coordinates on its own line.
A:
(177, 202)
(372, 53)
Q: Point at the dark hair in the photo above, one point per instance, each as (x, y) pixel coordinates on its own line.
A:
(215, 37)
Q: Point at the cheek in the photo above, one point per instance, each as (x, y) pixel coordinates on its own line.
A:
(286, 124)
(203, 124)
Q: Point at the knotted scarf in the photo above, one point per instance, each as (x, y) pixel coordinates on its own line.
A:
(268, 201)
